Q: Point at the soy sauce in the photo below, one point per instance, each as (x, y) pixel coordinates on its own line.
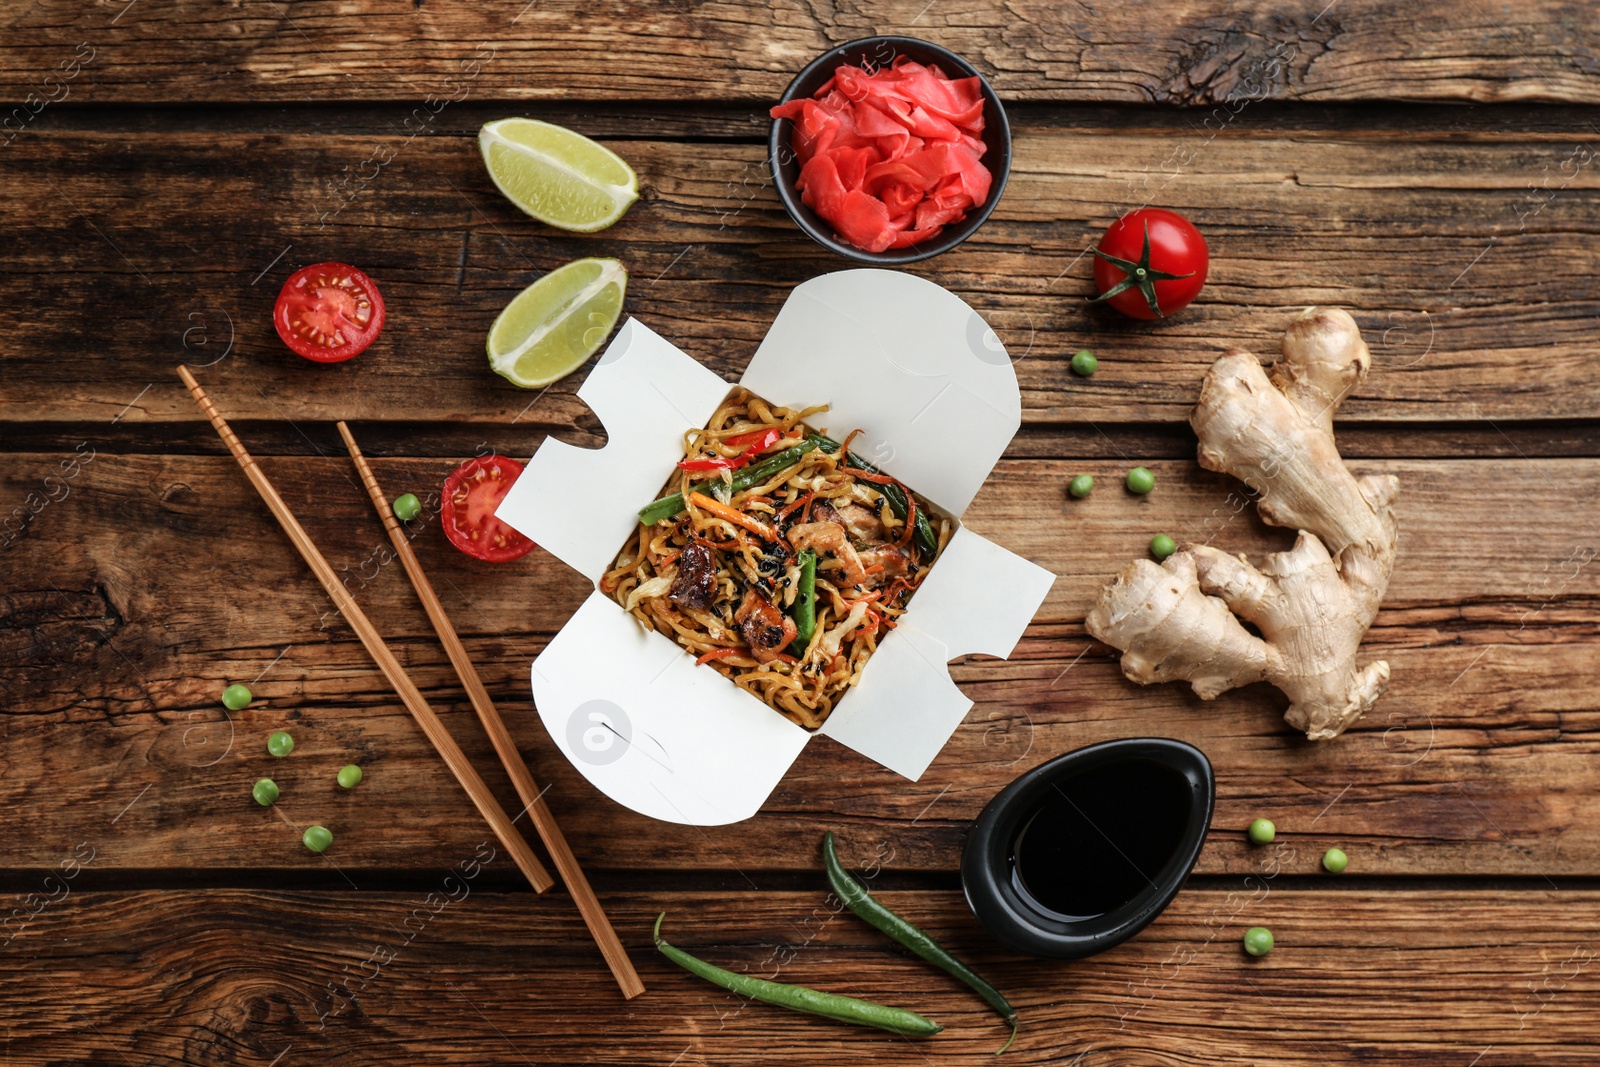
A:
(1100, 838)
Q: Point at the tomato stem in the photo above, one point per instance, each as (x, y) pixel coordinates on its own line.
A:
(1139, 276)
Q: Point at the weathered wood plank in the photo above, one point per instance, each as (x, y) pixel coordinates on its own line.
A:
(1033, 49)
(1413, 977)
(1423, 241)
(132, 600)
(1552, 438)
(747, 123)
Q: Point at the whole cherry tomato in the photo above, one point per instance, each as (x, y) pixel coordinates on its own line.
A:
(1150, 263)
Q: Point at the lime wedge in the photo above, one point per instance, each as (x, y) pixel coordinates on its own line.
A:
(554, 325)
(557, 176)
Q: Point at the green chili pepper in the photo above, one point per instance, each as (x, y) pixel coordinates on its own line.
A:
(805, 603)
(800, 998)
(856, 897)
(672, 504)
(926, 539)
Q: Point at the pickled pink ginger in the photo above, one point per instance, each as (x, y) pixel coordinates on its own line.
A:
(890, 157)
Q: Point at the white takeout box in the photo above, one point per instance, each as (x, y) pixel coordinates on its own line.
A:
(932, 389)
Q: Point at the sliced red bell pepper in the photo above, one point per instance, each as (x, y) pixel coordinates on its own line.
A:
(754, 443)
(756, 440)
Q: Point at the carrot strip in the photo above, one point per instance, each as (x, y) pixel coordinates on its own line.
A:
(868, 476)
(727, 514)
(717, 653)
(802, 502)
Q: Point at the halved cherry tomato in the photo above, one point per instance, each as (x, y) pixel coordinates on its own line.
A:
(328, 312)
(471, 494)
(1150, 263)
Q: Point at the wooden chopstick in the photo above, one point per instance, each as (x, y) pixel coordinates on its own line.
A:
(544, 819)
(454, 758)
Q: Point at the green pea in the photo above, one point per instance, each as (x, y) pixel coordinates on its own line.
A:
(349, 776)
(1141, 481)
(265, 792)
(1335, 860)
(1262, 831)
(236, 697)
(1084, 363)
(280, 744)
(318, 838)
(1162, 546)
(407, 507)
(1080, 486)
(1257, 940)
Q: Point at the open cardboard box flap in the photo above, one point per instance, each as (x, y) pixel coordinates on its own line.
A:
(932, 389)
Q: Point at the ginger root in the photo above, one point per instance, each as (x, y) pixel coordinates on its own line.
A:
(1312, 605)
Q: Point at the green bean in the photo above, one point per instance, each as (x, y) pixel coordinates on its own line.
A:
(673, 504)
(799, 998)
(858, 900)
(805, 603)
(927, 540)
(665, 508)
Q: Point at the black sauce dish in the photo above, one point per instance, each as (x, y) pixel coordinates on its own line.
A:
(881, 52)
(1084, 851)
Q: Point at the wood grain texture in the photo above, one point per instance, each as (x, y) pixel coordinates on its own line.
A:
(622, 49)
(153, 913)
(234, 976)
(156, 581)
(1435, 246)
(505, 749)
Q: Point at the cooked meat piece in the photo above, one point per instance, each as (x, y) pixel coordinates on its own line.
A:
(696, 583)
(766, 630)
(894, 561)
(829, 537)
(859, 521)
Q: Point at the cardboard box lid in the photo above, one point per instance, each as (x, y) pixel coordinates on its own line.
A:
(934, 392)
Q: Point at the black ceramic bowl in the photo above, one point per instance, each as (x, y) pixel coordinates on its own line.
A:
(881, 52)
(1010, 910)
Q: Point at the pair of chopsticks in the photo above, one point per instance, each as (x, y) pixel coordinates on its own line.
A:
(543, 819)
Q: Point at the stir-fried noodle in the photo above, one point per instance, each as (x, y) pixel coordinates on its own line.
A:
(765, 504)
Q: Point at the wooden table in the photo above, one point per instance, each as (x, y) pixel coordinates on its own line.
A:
(177, 161)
